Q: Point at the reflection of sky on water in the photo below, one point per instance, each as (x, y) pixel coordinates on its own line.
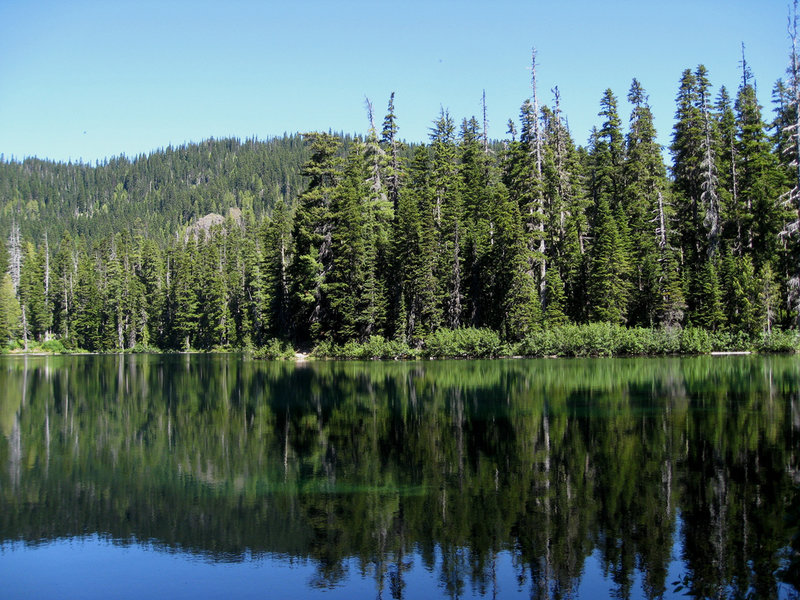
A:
(93, 567)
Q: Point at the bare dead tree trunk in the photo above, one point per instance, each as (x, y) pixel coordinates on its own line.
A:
(709, 195)
(455, 297)
(661, 230)
(793, 197)
(47, 280)
(563, 177)
(537, 135)
(485, 125)
(15, 250)
(25, 328)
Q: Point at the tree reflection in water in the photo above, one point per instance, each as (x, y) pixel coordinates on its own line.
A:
(438, 465)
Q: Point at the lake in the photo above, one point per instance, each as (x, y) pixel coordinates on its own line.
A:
(216, 476)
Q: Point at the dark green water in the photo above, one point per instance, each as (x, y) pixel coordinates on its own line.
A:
(215, 476)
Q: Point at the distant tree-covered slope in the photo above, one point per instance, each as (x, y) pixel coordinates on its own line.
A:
(152, 195)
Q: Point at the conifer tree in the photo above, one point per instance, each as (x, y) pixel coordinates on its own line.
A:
(117, 294)
(392, 147)
(242, 266)
(522, 176)
(694, 149)
(277, 236)
(709, 181)
(671, 304)
(733, 217)
(609, 266)
(448, 219)
(477, 196)
(565, 209)
(4, 259)
(183, 305)
(769, 298)
(686, 148)
(10, 312)
(709, 310)
(342, 290)
(87, 312)
(32, 293)
(352, 290)
(415, 253)
(645, 184)
(609, 286)
(607, 153)
(312, 236)
(515, 292)
(150, 271)
(215, 322)
(758, 177)
(744, 299)
(789, 148)
(554, 310)
(62, 288)
(379, 213)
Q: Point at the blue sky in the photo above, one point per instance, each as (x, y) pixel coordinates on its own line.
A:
(85, 80)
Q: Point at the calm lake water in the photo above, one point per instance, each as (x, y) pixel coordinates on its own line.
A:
(221, 477)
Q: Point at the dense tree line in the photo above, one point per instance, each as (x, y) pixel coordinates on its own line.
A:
(399, 241)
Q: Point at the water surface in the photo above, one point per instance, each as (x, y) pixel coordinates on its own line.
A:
(217, 476)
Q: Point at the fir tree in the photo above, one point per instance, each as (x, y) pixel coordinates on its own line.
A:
(609, 287)
(645, 183)
(355, 305)
(32, 293)
(183, 302)
(415, 254)
(709, 311)
(448, 219)
(312, 236)
(87, 314)
(10, 312)
(758, 178)
(277, 238)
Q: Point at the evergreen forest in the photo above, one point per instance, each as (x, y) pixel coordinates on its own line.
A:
(325, 238)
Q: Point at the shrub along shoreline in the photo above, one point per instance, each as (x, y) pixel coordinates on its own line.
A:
(592, 339)
(587, 340)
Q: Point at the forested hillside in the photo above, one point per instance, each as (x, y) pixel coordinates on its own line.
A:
(228, 244)
(152, 195)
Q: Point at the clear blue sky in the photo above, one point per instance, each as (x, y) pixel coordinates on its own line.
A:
(84, 80)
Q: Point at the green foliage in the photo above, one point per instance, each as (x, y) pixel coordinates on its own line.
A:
(696, 341)
(54, 346)
(152, 195)
(609, 339)
(376, 347)
(10, 312)
(609, 283)
(274, 349)
(779, 341)
(465, 342)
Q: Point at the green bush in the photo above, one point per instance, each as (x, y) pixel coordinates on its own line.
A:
(141, 348)
(274, 350)
(376, 347)
(54, 346)
(779, 341)
(608, 339)
(694, 340)
(467, 342)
